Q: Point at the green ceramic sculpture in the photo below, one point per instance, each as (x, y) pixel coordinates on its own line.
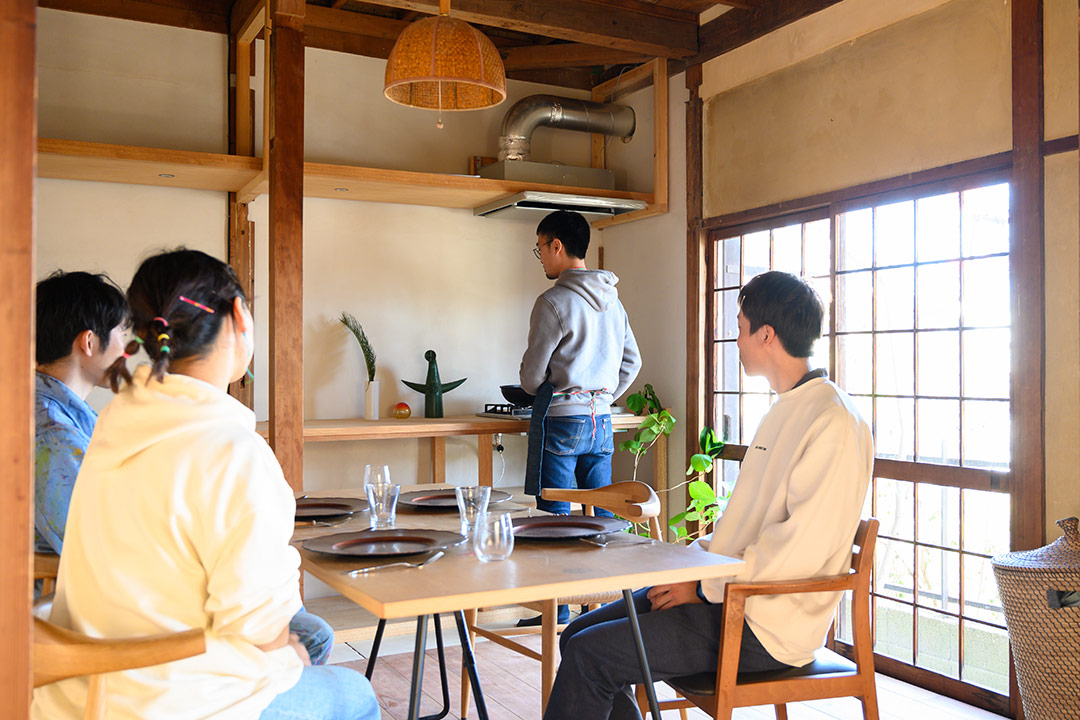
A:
(432, 388)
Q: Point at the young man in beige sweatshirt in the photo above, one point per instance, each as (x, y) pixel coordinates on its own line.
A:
(793, 514)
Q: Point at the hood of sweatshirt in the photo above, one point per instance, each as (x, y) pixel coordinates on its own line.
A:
(145, 413)
(596, 286)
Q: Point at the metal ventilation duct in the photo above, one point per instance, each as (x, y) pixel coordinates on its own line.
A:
(533, 111)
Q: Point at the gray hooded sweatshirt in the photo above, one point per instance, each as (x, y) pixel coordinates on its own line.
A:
(581, 342)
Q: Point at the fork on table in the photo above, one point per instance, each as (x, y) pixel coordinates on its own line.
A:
(426, 561)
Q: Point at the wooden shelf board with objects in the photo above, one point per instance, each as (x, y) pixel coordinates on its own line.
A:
(438, 429)
(102, 162)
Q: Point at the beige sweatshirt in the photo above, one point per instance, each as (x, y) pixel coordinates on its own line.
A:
(180, 519)
(794, 512)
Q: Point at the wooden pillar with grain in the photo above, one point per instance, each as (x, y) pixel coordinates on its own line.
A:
(285, 166)
(1027, 383)
(18, 138)
(245, 24)
(698, 322)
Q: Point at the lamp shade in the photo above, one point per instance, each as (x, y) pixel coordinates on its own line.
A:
(441, 63)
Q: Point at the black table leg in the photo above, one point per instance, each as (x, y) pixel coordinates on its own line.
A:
(470, 664)
(418, 667)
(442, 673)
(375, 649)
(650, 691)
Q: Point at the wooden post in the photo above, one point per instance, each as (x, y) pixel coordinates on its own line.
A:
(438, 460)
(18, 138)
(1027, 386)
(1027, 261)
(242, 260)
(285, 133)
(698, 345)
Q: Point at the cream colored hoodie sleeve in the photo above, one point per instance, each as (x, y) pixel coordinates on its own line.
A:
(252, 571)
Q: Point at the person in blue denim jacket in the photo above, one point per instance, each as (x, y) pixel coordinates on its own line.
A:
(80, 327)
(581, 355)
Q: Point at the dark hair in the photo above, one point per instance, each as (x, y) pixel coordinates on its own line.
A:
(168, 327)
(70, 303)
(571, 229)
(788, 305)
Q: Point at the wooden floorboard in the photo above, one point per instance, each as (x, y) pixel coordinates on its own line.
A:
(511, 685)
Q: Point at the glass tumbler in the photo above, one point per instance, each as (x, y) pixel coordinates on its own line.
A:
(472, 502)
(382, 497)
(494, 537)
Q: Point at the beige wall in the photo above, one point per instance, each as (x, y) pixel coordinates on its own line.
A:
(648, 256)
(917, 94)
(867, 90)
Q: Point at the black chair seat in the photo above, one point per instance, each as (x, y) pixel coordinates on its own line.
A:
(825, 663)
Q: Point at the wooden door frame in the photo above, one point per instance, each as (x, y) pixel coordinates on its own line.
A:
(18, 137)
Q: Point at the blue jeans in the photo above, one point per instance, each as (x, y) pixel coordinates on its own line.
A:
(574, 451)
(600, 663)
(326, 693)
(315, 634)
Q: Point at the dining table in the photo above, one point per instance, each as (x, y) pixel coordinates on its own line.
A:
(456, 581)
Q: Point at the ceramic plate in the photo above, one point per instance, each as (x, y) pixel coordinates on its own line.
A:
(443, 498)
(562, 527)
(382, 543)
(312, 508)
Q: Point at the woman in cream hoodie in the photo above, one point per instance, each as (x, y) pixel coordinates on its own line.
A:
(181, 518)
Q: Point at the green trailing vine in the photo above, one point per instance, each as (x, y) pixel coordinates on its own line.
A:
(357, 330)
(705, 504)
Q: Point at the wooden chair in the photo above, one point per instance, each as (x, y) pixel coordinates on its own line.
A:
(829, 675)
(60, 654)
(632, 500)
(46, 566)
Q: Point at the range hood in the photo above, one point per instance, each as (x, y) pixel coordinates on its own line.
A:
(529, 203)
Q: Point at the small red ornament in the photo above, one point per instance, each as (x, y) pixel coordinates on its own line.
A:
(402, 411)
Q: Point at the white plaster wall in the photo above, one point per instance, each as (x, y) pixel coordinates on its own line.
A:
(1062, 188)
(110, 228)
(928, 90)
(1061, 71)
(131, 83)
(649, 258)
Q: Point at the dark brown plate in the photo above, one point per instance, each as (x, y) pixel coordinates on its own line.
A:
(564, 527)
(382, 543)
(445, 499)
(313, 508)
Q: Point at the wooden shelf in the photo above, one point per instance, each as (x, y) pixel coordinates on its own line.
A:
(390, 429)
(77, 160)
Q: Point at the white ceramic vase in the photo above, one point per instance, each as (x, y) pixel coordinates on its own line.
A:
(371, 400)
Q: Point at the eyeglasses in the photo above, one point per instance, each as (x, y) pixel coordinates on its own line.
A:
(536, 250)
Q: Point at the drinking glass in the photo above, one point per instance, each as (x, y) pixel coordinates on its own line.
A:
(382, 497)
(494, 536)
(472, 502)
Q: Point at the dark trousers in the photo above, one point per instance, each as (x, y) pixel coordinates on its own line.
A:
(600, 664)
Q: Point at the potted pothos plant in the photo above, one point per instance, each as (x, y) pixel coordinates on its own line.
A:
(705, 504)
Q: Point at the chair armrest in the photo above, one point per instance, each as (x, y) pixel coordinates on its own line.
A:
(831, 583)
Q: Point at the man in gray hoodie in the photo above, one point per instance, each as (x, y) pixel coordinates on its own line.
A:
(582, 354)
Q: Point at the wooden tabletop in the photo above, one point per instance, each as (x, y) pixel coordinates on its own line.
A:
(535, 571)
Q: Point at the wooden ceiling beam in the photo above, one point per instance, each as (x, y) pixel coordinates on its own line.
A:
(205, 15)
(575, 78)
(354, 23)
(626, 24)
(739, 26)
(567, 55)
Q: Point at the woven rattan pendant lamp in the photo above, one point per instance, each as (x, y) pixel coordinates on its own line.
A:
(440, 63)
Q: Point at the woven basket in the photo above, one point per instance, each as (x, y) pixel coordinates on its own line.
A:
(1045, 636)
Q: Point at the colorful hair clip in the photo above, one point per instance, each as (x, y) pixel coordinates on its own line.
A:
(199, 305)
(162, 320)
(164, 348)
(163, 335)
(138, 340)
(127, 355)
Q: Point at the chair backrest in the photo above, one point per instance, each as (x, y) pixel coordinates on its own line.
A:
(46, 567)
(630, 499)
(60, 654)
